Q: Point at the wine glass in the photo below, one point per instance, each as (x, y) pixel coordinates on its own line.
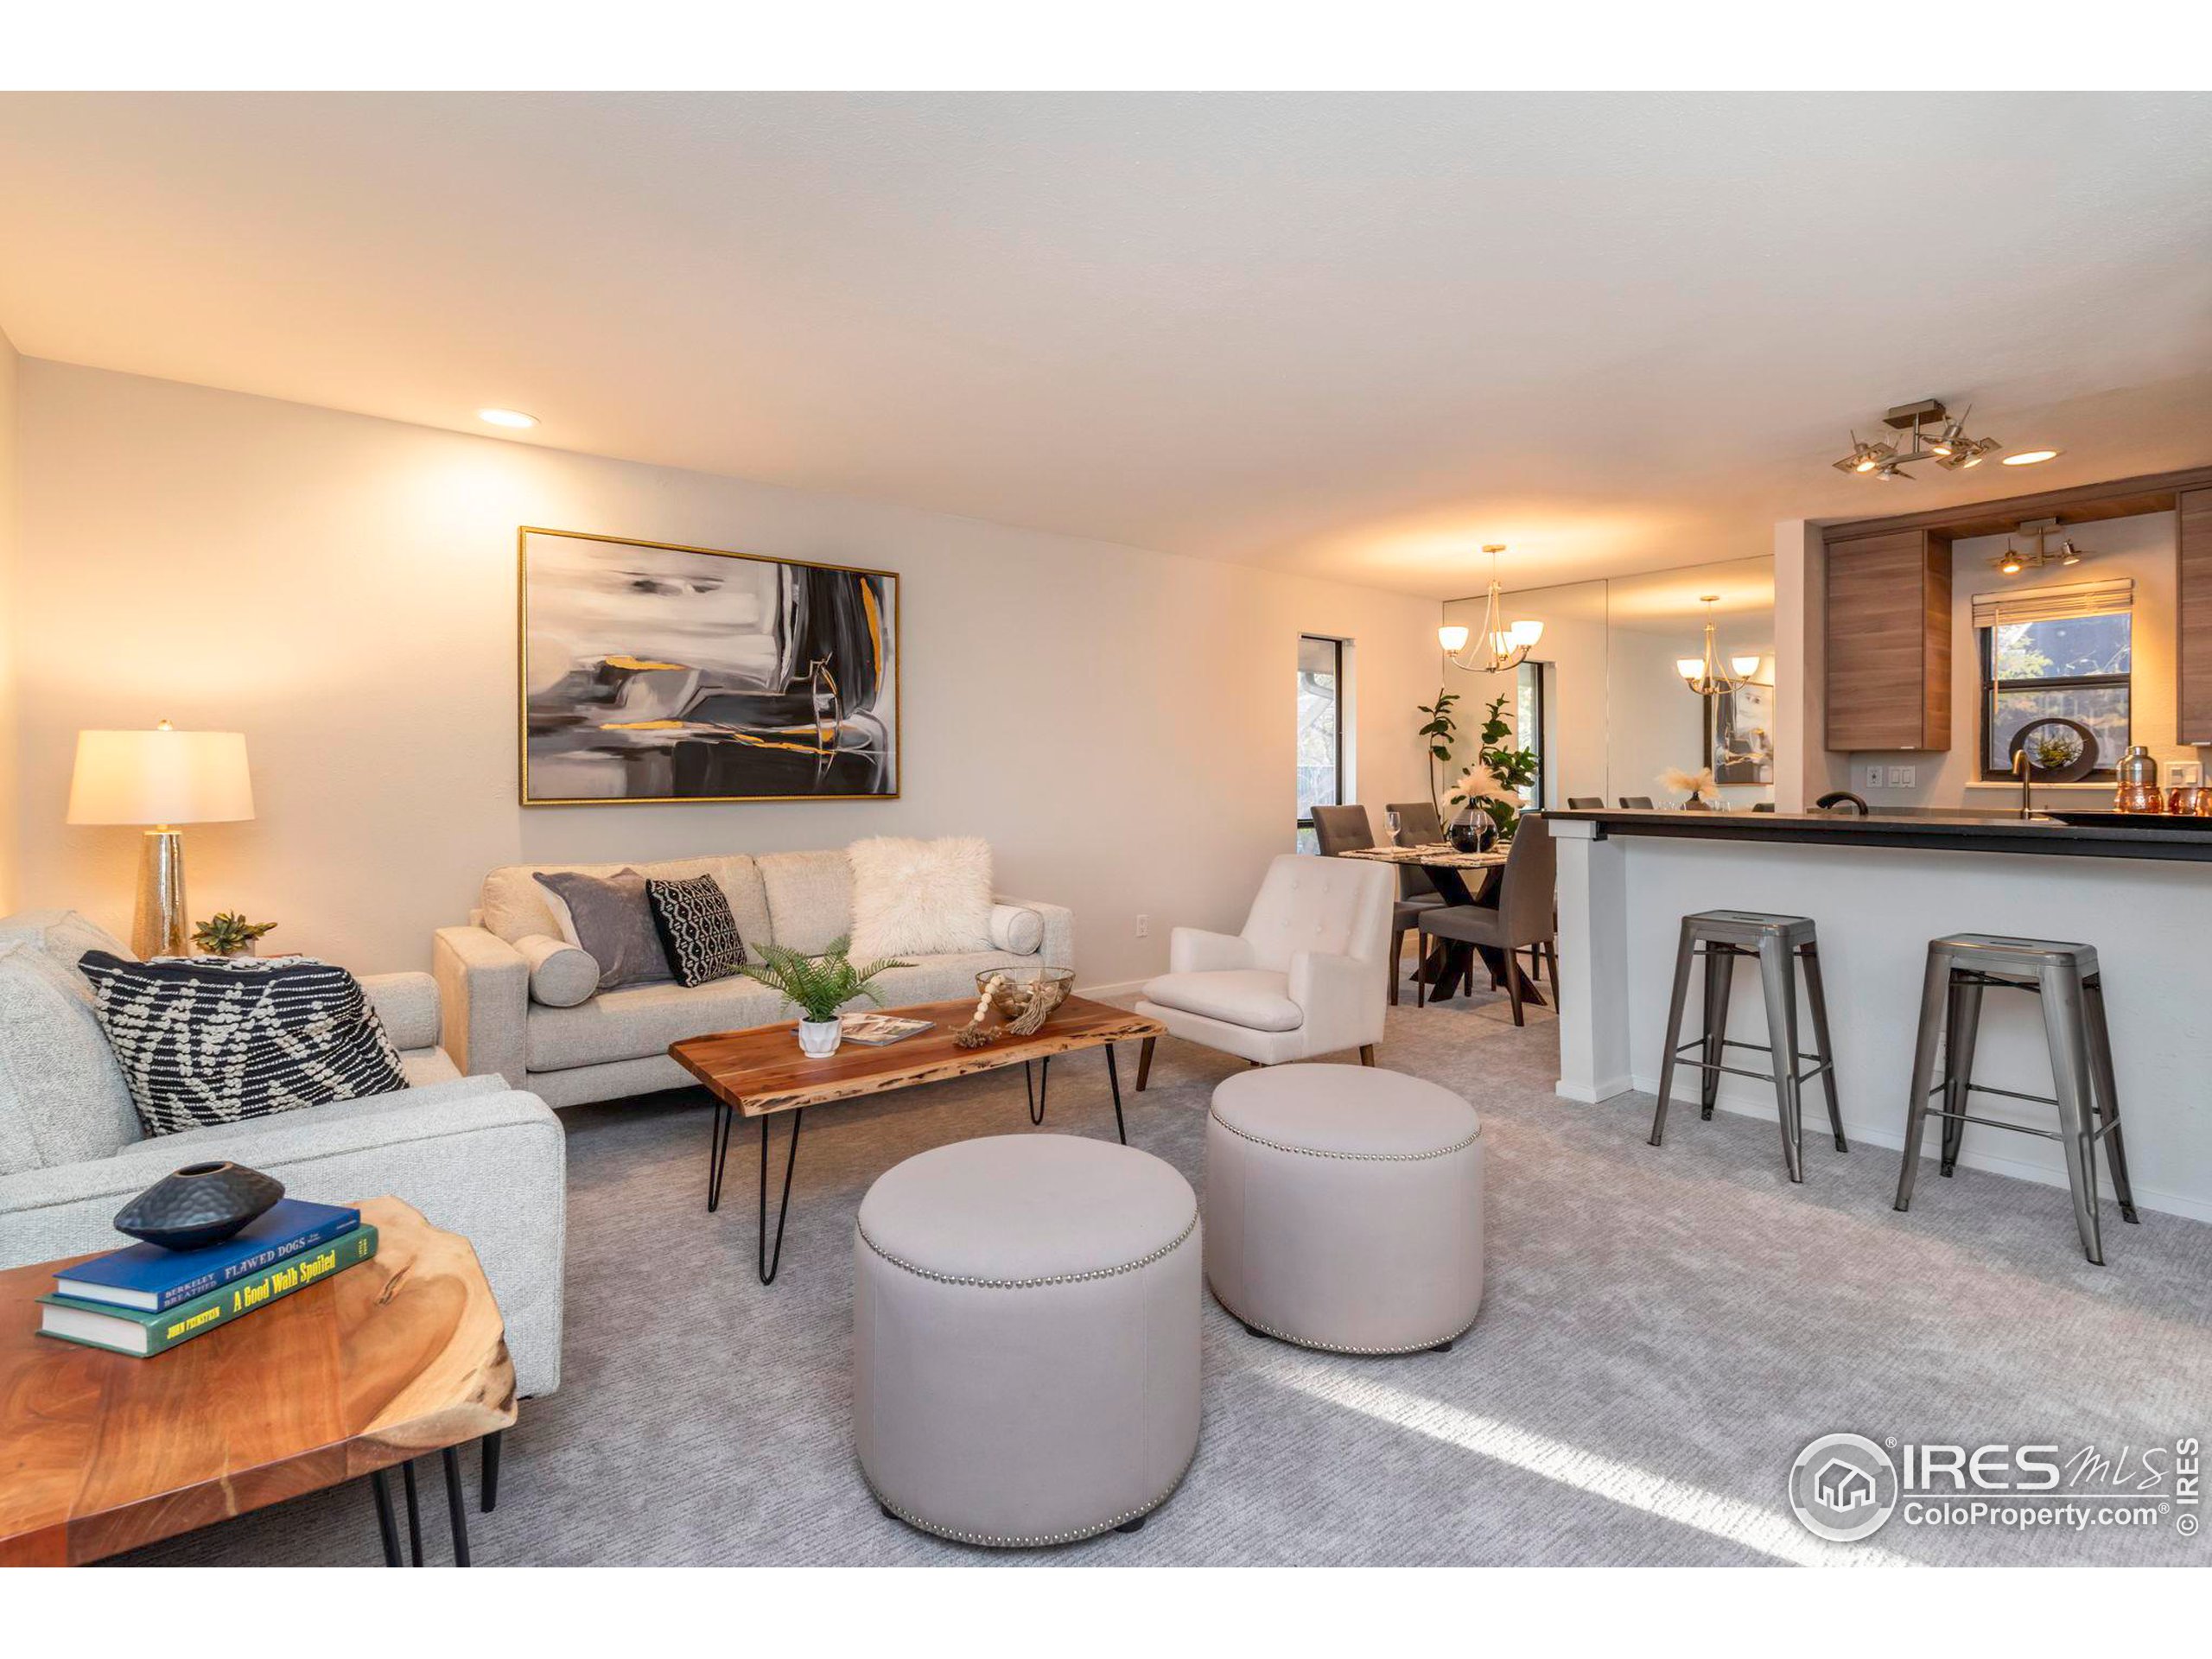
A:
(1390, 823)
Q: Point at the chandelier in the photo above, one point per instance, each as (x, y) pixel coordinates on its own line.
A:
(1704, 675)
(1935, 436)
(1504, 645)
(2012, 563)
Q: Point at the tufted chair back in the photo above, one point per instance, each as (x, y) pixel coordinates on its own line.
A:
(1338, 906)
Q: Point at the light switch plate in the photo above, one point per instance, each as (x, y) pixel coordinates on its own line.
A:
(2187, 772)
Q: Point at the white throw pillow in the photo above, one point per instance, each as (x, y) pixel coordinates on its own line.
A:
(921, 897)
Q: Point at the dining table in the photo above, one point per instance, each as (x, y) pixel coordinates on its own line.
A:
(1460, 878)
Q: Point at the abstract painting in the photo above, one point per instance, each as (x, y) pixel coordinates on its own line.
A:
(1739, 735)
(653, 672)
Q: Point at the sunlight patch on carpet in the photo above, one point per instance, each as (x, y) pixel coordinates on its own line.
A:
(1773, 1533)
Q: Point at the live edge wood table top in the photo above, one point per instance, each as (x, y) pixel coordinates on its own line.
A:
(101, 1452)
(759, 1071)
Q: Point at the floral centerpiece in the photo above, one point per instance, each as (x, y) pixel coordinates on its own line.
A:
(1700, 793)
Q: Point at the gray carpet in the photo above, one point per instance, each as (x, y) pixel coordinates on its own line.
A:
(1662, 1332)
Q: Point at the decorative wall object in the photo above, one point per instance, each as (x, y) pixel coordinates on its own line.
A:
(1739, 734)
(656, 672)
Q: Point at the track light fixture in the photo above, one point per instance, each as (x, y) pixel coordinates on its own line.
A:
(1936, 436)
(2012, 562)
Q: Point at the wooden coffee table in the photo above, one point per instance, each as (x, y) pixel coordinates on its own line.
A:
(761, 1072)
(403, 1355)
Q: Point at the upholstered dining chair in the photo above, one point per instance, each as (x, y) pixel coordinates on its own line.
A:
(1523, 916)
(1306, 976)
(1585, 803)
(1636, 803)
(1342, 829)
(1420, 824)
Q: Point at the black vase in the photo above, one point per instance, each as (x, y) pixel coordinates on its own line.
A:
(199, 1204)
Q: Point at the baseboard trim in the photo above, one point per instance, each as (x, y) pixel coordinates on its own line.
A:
(1892, 1139)
(1603, 1090)
(1127, 988)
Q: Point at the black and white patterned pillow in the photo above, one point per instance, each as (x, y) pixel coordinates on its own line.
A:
(696, 929)
(214, 1039)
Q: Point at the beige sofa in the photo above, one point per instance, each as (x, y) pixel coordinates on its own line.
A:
(615, 1043)
(478, 1158)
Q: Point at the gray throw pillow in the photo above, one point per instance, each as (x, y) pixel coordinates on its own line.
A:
(613, 924)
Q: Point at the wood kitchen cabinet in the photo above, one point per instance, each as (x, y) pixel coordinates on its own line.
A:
(2193, 653)
(1889, 640)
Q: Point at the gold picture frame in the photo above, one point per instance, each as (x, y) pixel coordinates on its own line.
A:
(743, 644)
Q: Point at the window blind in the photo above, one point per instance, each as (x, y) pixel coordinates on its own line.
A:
(2108, 598)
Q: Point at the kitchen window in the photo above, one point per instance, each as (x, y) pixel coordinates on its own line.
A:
(2056, 665)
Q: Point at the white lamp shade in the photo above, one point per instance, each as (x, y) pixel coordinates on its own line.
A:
(1452, 637)
(1745, 666)
(1690, 668)
(160, 777)
(1526, 633)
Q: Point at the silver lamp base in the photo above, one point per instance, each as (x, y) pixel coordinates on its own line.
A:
(158, 928)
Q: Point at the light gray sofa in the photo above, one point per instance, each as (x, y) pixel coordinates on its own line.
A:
(615, 1043)
(475, 1156)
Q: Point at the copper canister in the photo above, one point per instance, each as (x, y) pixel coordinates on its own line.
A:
(2138, 783)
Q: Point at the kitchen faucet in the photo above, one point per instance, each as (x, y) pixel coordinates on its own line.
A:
(2020, 769)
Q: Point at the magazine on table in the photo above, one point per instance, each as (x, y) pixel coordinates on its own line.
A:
(877, 1029)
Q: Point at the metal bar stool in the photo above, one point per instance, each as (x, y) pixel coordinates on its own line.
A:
(1779, 942)
(1959, 968)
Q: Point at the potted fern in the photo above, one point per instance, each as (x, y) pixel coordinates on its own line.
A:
(818, 987)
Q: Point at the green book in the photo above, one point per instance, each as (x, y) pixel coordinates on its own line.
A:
(140, 1333)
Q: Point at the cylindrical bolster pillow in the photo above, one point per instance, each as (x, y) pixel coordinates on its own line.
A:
(1021, 932)
(561, 975)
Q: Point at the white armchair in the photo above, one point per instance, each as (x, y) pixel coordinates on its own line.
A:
(1309, 975)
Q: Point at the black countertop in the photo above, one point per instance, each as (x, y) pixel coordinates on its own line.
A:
(2157, 838)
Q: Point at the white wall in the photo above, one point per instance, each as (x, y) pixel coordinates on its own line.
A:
(8, 521)
(342, 590)
(2141, 547)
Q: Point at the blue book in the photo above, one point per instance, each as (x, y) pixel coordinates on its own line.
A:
(153, 1279)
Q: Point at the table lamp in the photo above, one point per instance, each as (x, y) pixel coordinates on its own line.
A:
(162, 777)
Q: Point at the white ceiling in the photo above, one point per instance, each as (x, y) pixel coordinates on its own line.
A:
(1350, 335)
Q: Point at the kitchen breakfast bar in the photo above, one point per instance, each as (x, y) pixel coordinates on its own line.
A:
(1878, 890)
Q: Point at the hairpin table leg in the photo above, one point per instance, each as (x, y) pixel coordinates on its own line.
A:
(1114, 1081)
(492, 1442)
(414, 1515)
(455, 1507)
(768, 1263)
(387, 1528)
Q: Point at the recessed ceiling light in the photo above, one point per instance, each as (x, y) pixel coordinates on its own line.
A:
(514, 417)
(2031, 457)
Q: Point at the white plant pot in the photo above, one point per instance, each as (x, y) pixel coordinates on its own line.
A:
(818, 1039)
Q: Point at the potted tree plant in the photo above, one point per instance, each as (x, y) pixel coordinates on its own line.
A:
(818, 987)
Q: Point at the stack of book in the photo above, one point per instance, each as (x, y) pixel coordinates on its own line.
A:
(145, 1300)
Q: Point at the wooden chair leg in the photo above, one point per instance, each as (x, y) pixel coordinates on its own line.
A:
(1367, 1053)
(1397, 963)
(1513, 985)
(1144, 1062)
(1420, 973)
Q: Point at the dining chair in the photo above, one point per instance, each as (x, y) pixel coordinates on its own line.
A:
(1524, 914)
(1636, 803)
(1585, 803)
(1342, 829)
(1420, 824)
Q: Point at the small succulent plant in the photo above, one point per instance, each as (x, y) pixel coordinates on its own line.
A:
(226, 933)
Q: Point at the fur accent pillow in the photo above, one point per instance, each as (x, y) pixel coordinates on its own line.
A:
(921, 897)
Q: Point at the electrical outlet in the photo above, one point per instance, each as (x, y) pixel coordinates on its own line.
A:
(1144, 926)
(1874, 777)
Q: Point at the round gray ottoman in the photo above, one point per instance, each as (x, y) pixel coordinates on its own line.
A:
(1344, 1208)
(1026, 1338)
